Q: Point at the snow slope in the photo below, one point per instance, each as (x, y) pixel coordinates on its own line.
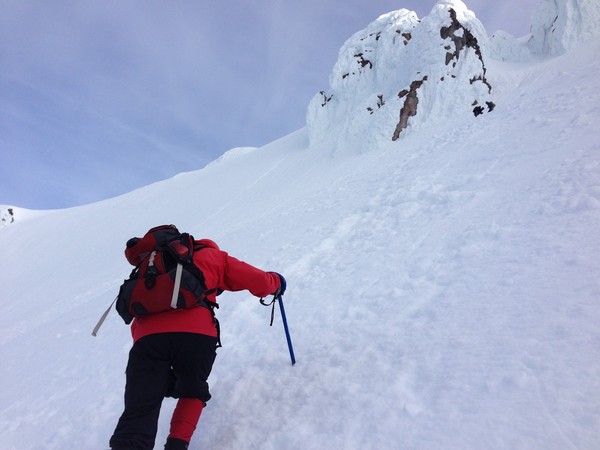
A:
(443, 291)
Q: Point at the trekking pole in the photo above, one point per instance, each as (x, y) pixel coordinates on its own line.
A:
(287, 331)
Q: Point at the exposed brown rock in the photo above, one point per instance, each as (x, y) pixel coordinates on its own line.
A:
(325, 98)
(462, 40)
(410, 106)
(362, 61)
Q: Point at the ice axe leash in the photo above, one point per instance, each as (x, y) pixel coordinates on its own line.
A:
(279, 300)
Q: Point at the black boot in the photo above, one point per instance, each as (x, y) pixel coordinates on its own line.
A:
(176, 444)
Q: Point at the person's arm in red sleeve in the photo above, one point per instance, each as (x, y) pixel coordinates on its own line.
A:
(239, 275)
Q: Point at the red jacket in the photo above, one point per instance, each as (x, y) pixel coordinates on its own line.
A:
(221, 271)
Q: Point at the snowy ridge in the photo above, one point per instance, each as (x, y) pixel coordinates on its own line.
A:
(7, 215)
(233, 153)
(441, 295)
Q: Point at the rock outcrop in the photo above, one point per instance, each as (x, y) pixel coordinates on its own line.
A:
(401, 73)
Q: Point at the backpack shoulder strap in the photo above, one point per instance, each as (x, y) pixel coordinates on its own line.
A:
(194, 270)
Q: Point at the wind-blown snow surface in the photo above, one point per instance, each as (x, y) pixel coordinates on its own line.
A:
(443, 290)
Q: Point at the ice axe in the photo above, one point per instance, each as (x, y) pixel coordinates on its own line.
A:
(279, 299)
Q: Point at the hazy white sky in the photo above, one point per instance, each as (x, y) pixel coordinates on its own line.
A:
(103, 96)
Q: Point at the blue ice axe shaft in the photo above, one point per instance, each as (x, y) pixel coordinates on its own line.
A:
(287, 330)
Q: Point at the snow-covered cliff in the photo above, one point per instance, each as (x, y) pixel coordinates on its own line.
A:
(401, 74)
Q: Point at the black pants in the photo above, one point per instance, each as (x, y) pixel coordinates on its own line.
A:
(161, 365)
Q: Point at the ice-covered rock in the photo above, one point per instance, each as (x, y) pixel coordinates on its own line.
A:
(400, 72)
(559, 25)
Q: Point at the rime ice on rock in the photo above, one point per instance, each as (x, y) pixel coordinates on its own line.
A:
(401, 72)
(559, 26)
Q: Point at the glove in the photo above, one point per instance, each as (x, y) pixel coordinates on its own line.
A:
(282, 285)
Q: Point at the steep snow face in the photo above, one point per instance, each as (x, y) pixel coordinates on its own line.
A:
(559, 25)
(504, 46)
(399, 73)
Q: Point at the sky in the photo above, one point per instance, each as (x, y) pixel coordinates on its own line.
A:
(102, 97)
